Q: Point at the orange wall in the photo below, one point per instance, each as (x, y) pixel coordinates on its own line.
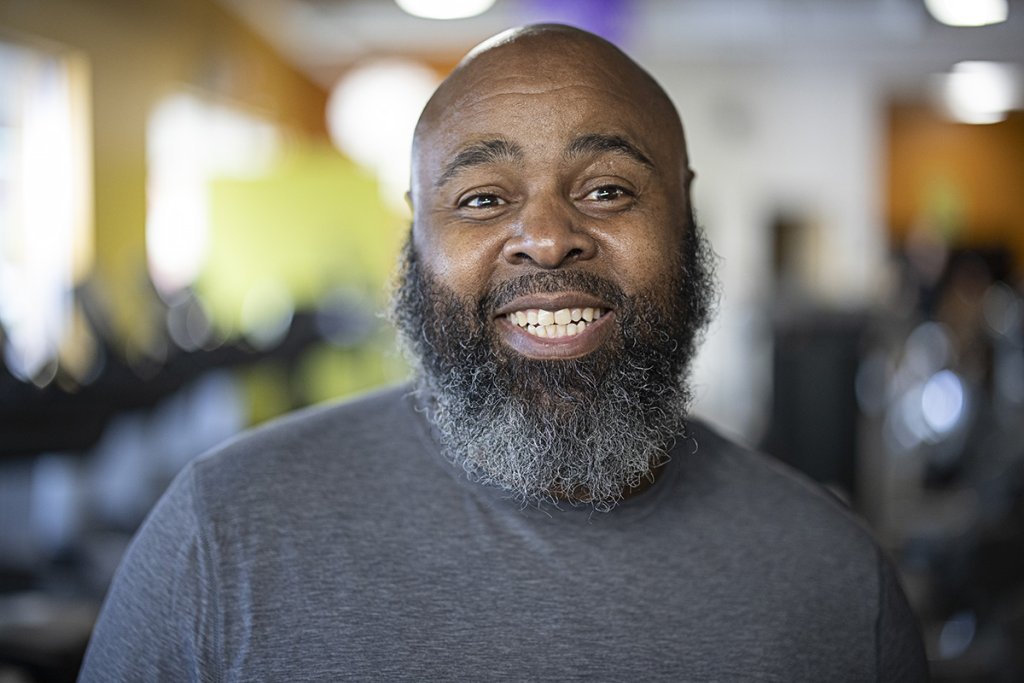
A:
(138, 51)
(965, 180)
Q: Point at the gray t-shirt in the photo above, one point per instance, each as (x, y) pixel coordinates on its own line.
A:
(339, 544)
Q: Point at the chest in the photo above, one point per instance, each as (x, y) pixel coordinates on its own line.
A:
(490, 599)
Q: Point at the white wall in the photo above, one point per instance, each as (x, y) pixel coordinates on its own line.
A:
(762, 138)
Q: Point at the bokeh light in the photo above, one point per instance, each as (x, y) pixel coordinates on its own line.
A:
(371, 116)
(968, 12)
(445, 9)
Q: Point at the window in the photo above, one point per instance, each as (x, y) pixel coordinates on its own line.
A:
(45, 202)
(189, 142)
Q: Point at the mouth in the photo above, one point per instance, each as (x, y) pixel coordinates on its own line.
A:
(565, 322)
(555, 326)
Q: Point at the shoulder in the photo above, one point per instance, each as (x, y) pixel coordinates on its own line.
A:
(799, 534)
(770, 515)
(316, 436)
(771, 491)
(346, 450)
(354, 419)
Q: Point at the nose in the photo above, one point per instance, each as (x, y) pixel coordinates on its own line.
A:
(548, 235)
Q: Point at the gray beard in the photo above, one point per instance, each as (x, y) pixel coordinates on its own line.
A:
(585, 430)
(584, 451)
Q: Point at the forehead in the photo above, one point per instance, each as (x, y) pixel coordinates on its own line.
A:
(542, 100)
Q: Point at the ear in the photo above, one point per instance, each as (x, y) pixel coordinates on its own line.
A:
(688, 176)
(408, 201)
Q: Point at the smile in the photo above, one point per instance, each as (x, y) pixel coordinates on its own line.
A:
(565, 322)
(556, 325)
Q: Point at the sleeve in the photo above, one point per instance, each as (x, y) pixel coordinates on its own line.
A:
(899, 647)
(158, 622)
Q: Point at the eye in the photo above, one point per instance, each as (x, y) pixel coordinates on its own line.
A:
(609, 193)
(481, 201)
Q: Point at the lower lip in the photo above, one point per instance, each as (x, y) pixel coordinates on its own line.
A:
(563, 348)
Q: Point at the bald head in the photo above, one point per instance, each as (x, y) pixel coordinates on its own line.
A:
(541, 59)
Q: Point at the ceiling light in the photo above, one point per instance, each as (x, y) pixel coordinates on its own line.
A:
(981, 92)
(967, 12)
(371, 116)
(445, 9)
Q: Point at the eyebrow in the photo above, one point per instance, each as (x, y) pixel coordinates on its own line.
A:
(483, 152)
(596, 143)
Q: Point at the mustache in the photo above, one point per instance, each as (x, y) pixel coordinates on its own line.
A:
(546, 282)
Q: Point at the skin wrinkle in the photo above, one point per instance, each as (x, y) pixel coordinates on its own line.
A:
(476, 154)
(592, 428)
(596, 142)
(499, 151)
(628, 135)
(477, 102)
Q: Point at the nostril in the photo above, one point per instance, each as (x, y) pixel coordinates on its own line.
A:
(519, 257)
(548, 247)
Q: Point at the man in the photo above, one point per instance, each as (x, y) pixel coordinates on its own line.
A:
(536, 507)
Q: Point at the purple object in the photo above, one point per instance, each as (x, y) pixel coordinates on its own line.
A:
(609, 19)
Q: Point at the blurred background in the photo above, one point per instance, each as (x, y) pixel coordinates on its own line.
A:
(201, 204)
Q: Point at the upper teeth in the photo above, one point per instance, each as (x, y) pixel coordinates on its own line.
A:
(565, 322)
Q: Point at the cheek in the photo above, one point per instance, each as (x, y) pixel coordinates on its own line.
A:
(645, 256)
(459, 260)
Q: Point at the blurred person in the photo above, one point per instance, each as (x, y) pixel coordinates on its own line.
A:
(536, 505)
